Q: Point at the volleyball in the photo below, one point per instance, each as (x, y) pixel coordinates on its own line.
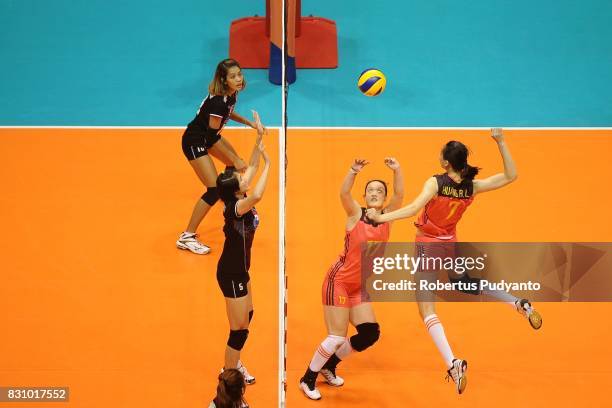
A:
(371, 82)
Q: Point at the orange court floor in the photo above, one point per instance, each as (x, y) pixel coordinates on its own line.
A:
(95, 295)
(561, 195)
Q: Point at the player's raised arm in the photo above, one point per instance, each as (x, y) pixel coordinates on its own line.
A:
(501, 179)
(254, 160)
(398, 184)
(245, 204)
(351, 206)
(430, 189)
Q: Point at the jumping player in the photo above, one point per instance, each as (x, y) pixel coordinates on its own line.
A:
(202, 137)
(445, 197)
(342, 287)
(241, 221)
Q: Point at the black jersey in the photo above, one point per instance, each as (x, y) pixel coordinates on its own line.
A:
(239, 232)
(221, 106)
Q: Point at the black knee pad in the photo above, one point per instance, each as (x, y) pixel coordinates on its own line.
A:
(367, 335)
(237, 338)
(250, 316)
(211, 196)
(471, 286)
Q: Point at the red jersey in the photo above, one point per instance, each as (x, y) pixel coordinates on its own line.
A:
(348, 266)
(440, 216)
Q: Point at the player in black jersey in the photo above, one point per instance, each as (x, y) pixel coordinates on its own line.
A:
(202, 137)
(241, 221)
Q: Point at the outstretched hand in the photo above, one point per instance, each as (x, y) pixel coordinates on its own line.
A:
(359, 164)
(392, 163)
(261, 129)
(497, 134)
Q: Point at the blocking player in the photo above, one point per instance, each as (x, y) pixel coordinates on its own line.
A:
(241, 221)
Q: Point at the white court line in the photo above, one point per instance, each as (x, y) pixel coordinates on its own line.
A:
(442, 128)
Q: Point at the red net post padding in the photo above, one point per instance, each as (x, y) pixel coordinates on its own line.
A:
(250, 41)
(316, 40)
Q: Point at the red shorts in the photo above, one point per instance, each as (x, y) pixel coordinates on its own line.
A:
(437, 251)
(430, 247)
(343, 294)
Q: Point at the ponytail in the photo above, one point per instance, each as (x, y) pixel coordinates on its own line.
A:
(456, 153)
(230, 389)
(469, 172)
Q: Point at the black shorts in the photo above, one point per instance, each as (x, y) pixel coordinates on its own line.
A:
(233, 286)
(196, 145)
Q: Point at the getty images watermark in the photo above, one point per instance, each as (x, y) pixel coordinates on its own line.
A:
(456, 265)
(478, 271)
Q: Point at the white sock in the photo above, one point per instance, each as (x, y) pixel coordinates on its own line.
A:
(501, 295)
(345, 349)
(325, 350)
(436, 331)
